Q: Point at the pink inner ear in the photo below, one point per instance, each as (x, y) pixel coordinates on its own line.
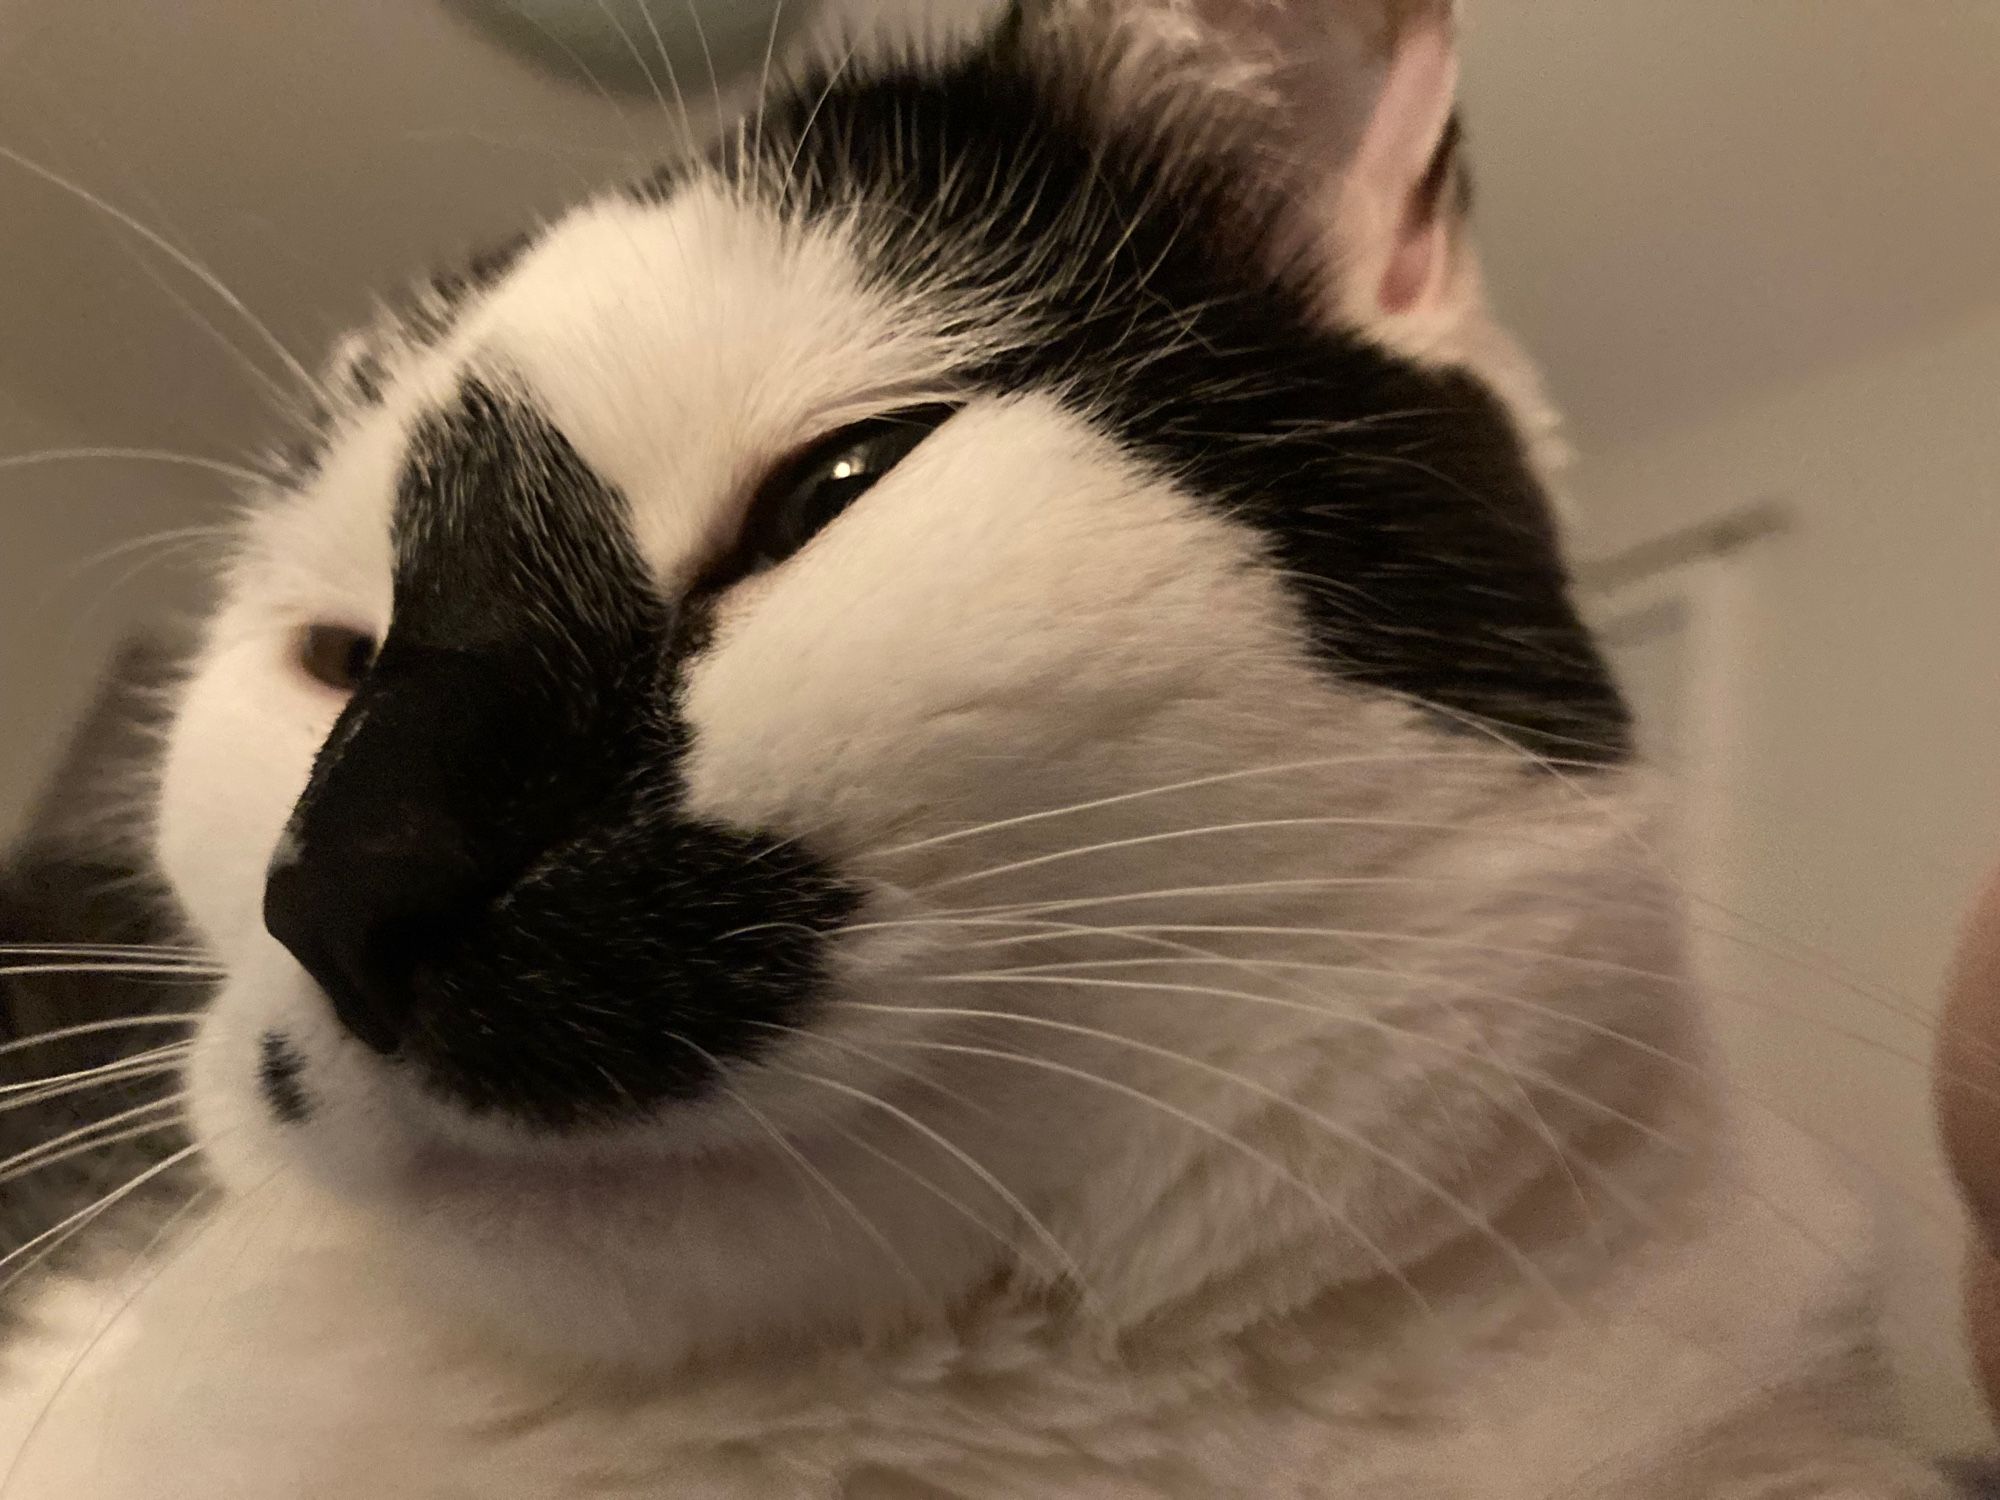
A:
(1413, 262)
(1394, 162)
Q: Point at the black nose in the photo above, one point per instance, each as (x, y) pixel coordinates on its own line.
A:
(397, 844)
(362, 909)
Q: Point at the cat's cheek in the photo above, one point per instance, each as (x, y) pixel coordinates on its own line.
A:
(238, 756)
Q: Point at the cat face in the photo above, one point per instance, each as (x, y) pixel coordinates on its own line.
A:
(770, 762)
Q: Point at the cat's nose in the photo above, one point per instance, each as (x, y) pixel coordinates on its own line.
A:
(361, 908)
(397, 846)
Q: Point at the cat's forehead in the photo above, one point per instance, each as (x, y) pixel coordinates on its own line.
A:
(903, 240)
(682, 345)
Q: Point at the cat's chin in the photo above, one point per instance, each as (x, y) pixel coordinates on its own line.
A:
(659, 1243)
(642, 1260)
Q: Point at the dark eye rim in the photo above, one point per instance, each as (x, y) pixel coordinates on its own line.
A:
(753, 551)
(335, 655)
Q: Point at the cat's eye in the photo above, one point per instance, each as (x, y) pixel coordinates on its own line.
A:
(808, 492)
(337, 656)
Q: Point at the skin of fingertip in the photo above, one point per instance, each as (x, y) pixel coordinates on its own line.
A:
(1968, 1105)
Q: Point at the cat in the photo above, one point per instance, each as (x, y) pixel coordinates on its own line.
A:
(918, 810)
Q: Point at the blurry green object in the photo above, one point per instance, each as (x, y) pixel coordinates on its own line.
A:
(640, 45)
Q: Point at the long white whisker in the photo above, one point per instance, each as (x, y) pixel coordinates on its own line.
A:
(1347, 1017)
(1273, 886)
(103, 1204)
(806, 1165)
(49, 1153)
(876, 1060)
(707, 57)
(1029, 1218)
(764, 76)
(1207, 1127)
(1219, 778)
(1586, 962)
(996, 913)
(632, 47)
(185, 972)
(241, 473)
(1249, 825)
(88, 1028)
(151, 548)
(951, 1200)
(89, 950)
(673, 78)
(1054, 973)
(583, 68)
(140, 1287)
(180, 258)
(40, 1091)
(812, 115)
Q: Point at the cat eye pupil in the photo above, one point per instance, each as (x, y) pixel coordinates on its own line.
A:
(336, 656)
(805, 495)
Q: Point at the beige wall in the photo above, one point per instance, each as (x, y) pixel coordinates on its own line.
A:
(1862, 791)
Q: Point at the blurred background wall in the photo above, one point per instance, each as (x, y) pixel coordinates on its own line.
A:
(1753, 241)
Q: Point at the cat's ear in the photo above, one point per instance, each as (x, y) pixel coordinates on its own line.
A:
(1347, 107)
(1398, 217)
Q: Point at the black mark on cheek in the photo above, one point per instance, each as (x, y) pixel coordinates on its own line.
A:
(278, 1076)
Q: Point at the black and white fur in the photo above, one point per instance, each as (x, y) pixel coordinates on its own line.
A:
(1125, 962)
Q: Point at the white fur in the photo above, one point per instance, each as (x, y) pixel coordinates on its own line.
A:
(1457, 1216)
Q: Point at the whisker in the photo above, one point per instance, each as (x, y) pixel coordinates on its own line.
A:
(632, 48)
(1526, 886)
(282, 400)
(588, 74)
(153, 547)
(1051, 973)
(812, 1171)
(91, 1211)
(1248, 825)
(180, 258)
(1220, 778)
(673, 78)
(707, 57)
(951, 1200)
(993, 916)
(1278, 1169)
(764, 76)
(876, 1060)
(1029, 1218)
(88, 950)
(241, 473)
(1507, 753)
(186, 973)
(140, 1287)
(40, 1091)
(88, 1028)
(49, 1156)
(1586, 962)
(1320, 1012)
(812, 116)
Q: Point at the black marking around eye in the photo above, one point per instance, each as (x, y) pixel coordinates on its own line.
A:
(1396, 497)
(278, 1068)
(495, 880)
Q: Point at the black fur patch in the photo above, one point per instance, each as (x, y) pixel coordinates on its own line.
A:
(278, 1069)
(493, 879)
(420, 320)
(1398, 499)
